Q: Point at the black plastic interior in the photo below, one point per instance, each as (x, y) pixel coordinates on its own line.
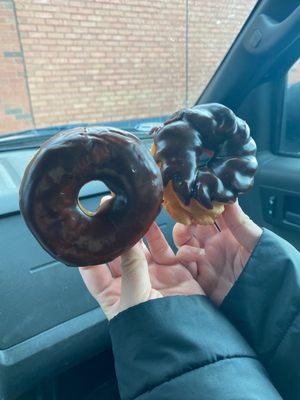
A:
(258, 65)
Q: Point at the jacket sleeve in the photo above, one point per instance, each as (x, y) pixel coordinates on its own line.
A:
(182, 347)
(264, 305)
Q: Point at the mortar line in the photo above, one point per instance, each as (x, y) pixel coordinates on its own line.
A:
(186, 53)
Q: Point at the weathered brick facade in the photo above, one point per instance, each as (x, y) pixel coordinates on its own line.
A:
(96, 60)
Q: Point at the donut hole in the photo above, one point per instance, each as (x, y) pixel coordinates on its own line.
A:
(90, 195)
(204, 158)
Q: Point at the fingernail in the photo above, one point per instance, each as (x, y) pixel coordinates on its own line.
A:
(198, 251)
(201, 252)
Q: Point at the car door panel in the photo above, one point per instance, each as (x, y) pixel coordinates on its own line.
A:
(257, 64)
(274, 202)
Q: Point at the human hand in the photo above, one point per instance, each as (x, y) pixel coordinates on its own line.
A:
(139, 275)
(226, 252)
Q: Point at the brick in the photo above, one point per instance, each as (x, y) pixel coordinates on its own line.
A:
(51, 8)
(12, 54)
(55, 35)
(24, 116)
(45, 28)
(88, 23)
(39, 35)
(7, 4)
(10, 111)
(43, 15)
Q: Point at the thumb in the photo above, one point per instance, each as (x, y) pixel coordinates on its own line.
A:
(136, 285)
(245, 231)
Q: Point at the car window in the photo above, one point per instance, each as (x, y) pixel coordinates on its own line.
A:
(290, 140)
(106, 61)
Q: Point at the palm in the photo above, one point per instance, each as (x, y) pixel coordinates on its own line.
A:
(224, 259)
(225, 256)
(167, 276)
(173, 279)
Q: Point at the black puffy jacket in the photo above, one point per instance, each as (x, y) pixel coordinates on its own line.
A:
(183, 347)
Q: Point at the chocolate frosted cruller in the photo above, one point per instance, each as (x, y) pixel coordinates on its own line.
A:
(195, 192)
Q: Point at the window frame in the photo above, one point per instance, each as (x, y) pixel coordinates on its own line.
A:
(280, 81)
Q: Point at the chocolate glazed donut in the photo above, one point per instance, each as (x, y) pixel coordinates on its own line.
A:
(53, 179)
(212, 130)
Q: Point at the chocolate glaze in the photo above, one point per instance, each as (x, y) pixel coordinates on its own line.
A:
(53, 179)
(211, 129)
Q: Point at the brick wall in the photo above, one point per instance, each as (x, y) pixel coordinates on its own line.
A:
(14, 101)
(89, 61)
(213, 26)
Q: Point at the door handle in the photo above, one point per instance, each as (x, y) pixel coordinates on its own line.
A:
(292, 218)
(267, 35)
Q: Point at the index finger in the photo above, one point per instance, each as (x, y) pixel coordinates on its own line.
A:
(159, 248)
(96, 278)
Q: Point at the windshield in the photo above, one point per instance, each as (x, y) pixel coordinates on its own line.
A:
(125, 63)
